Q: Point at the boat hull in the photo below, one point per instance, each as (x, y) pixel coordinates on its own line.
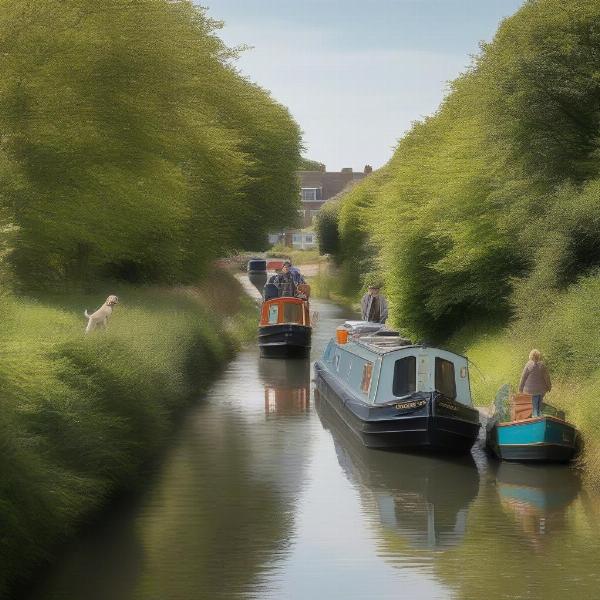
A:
(284, 341)
(540, 439)
(434, 423)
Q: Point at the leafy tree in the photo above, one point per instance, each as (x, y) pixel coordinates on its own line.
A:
(306, 164)
(131, 146)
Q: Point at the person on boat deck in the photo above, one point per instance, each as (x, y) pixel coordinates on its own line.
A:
(374, 306)
(535, 380)
(285, 281)
(296, 275)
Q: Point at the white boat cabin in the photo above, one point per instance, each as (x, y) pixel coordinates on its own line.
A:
(384, 368)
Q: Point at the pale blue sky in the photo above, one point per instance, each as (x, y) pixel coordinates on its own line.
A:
(356, 73)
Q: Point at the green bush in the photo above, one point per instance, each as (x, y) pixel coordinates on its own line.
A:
(327, 228)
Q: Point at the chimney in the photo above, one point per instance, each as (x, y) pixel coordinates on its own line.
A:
(347, 170)
(368, 169)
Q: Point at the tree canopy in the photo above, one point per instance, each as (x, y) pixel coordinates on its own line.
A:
(131, 146)
(493, 199)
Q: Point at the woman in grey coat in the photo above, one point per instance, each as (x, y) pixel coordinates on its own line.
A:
(535, 380)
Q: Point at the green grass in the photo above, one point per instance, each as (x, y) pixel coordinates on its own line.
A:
(80, 414)
(566, 333)
(331, 284)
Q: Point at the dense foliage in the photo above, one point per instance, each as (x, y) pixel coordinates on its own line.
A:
(307, 164)
(131, 147)
(500, 185)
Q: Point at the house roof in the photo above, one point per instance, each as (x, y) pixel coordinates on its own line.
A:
(331, 182)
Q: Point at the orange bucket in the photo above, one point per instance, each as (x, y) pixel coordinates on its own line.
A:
(341, 335)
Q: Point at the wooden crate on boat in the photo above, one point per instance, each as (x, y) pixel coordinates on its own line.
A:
(521, 406)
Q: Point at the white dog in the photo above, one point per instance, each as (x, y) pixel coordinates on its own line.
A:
(100, 317)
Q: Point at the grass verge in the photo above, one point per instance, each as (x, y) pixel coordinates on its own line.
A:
(80, 414)
(567, 335)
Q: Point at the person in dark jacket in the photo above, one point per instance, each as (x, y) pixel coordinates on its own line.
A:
(285, 281)
(296, 275)
(535, 380)
(374, 306)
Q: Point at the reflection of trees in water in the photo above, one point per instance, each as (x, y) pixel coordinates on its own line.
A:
(105, 563)
(287, 386)
(421, 500)
(528, 537)
(215, 521)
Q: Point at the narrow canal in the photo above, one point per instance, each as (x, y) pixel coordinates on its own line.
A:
(265, 494)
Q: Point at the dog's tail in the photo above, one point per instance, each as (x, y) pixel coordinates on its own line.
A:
(85, 312)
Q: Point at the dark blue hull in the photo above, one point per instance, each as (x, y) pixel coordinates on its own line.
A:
(284, 341)
(425, 422)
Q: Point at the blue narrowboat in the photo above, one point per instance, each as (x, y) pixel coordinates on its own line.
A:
(394, 394)
(523, 437)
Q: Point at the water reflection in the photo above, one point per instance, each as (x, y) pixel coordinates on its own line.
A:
(287, 386)
(258, 280)
(421, 499)
(537, 497)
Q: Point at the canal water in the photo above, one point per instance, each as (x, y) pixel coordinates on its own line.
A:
(265, 494)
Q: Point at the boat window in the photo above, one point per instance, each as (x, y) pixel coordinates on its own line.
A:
(405, 375)
(273, 313)
(444, 377)
(292, 312)
(366, 377)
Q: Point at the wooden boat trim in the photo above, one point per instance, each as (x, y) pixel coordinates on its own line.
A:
(534, 420)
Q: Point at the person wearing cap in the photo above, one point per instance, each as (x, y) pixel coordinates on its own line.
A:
(285, 281)
(296, 275)
(374, 306)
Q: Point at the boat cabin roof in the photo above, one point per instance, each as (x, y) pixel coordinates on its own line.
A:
(380, 368)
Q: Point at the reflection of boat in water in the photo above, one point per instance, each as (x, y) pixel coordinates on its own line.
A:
(393, 394)
(424, 499)
(258, 280)
(537, 496)
(287, 386)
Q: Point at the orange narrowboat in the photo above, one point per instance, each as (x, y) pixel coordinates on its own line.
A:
(285, 328)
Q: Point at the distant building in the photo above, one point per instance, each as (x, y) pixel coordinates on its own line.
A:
(316, 188)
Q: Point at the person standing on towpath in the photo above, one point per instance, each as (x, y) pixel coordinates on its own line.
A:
(535, 380)
(374, 306)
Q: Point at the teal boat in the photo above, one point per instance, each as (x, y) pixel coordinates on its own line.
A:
(545, 438)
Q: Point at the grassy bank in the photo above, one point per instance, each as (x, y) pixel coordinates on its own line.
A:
(566, 332)
(80, 414)
(329, 283)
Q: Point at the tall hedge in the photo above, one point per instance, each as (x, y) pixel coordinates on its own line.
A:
(131, 147)
(490, 206)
